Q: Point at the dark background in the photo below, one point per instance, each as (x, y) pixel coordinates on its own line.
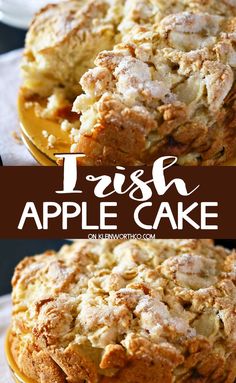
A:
(12, 251)
(10, 38)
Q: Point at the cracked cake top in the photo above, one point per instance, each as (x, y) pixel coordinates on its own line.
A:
(102, 310)
(163, 81)
(166, 89)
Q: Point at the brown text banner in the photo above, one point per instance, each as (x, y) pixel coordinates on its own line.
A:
(106, 201)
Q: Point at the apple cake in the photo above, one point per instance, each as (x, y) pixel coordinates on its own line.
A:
(167, 89)
(131, 311)
(61, 44)
(146, 78)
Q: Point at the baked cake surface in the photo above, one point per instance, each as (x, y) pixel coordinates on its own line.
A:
(163, 81)
(63, 41)
(167, 89)
(126, 312)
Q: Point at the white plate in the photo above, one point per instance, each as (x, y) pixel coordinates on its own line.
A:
(14, 21)
(19, 13)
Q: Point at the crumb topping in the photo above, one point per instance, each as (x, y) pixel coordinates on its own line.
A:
(178, 57)
(96, 295)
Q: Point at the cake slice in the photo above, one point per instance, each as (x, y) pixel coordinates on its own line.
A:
(62, 43)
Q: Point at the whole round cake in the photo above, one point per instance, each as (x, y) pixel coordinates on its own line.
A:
(126, 312)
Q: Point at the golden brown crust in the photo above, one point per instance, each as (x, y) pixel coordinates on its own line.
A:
(167, 89)
(63, 41)
(126, 312)
(34, 363)
(174, 76)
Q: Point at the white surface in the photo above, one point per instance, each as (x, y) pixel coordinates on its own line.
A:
(19, 13)
(11, 152)
(5, 314)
